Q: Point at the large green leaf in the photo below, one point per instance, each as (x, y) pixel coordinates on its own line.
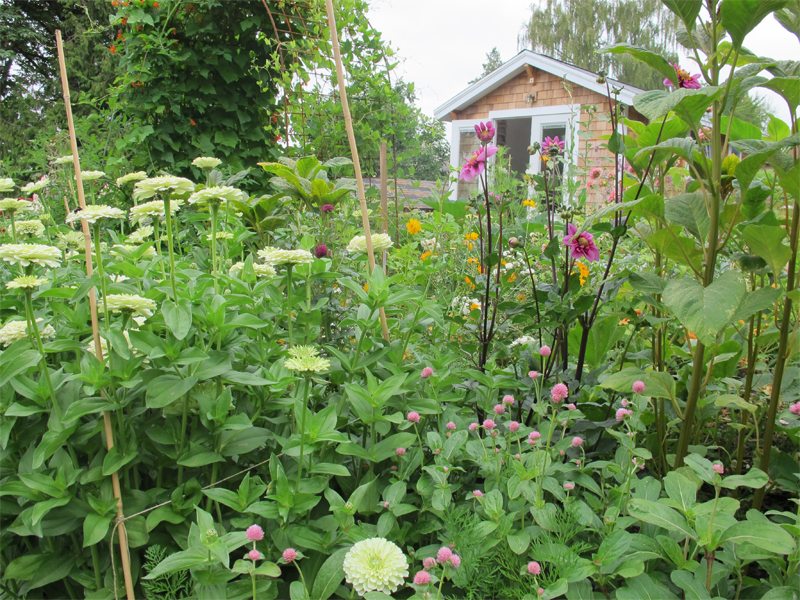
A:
(761, 534)
(95, 528)
(166, 389)
(740, 17)
(650, 58)
(186, 559)
(329, 576)
(178, 317)
(681, 490)
(660, 515)
(686, 11)
(689, 105)
(15, 362)
(706, 311)
(766, 241)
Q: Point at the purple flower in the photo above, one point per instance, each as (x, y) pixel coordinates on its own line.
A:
(581, 245)
(326, 208)
(485, 131)
(321, 251)
(255, 533)
(684, 80)
(477, 162)
(552, 145)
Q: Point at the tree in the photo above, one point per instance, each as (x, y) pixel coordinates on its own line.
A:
(493, 61)
(574, 30)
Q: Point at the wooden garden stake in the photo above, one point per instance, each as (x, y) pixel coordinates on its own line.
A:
(87, 236)
(384, 195)
(351, 138)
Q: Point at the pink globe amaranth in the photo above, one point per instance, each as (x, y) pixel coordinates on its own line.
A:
(795, 408)
(455, 561)
(540, 591)
(534, 568)
(534, 437)
(422, 578)
(513, 427)
(450, 426)
(718, 468)
(622, 413)
(509, 399)
(624, 403)
(426, 372)
(533, 375)
(638, 386)
(473, 426)
(413, 417)
(570, 406)
(559, 393)
(444, 554)
(255, 533)
(477, 493)
(289, 555)
(545, 351)
(576, 442)
(428, 562)
(499, 409)
(254, 555)
(568, 485)
(400, 451)
(321, 251)
(488, 424)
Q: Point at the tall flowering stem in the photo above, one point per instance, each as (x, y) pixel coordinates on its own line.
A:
(170, 244)
(100, 273)
(30, 315)
(302, 430)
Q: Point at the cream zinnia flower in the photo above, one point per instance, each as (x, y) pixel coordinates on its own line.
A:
(131, 178)
(380, 242)
(12, 205)
(30, 254)
(92, 175)
(71, 239)
(157, 186)
(375, 565)
(140, 235)
(148, 210)
(63, 160)
(264, 270)
(35, 186)
(25, 282)
(95, 212)
(33, 227)
(6, 184)
(206, 162)
(217, 194)
(132, 303)
(279, 256)
(306, 359)
(13, 331)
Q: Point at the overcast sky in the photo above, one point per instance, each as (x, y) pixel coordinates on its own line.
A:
(443, 43)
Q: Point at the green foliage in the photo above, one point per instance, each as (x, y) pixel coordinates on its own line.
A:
(165, 587)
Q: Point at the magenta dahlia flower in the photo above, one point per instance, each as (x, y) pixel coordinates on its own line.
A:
(552, 145)
(581, 245)
(477, 162)
(485, 131)
(683, 79)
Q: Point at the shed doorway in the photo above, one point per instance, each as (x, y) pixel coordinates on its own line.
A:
(515, 135)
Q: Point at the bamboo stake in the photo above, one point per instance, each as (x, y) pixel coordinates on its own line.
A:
(384, 195)
(351, 138)
(87, 237)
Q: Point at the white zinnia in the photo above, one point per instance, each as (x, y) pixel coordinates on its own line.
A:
(35, 186)
(6, 184)
(33, 227)
(95, 212)
(141, 234)
(131, 178)
(63, 160)
(524, 340)
(157, 186)
(375, 565)
(206, 162)
(139, 305)
(148, 210)
(12, 205)
(279, 256)
(92, 175)
(30, 254)
(13, 331)
(380, 242)
(217, 194)
(25, 282)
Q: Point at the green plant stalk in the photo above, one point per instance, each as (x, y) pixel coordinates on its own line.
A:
(308, 307)
(170, 246)
(98, 580)
(253, 582)
(303, 411)
(752, 353)
(289, 318)
(101, 274)
(34, 328)
(214, 207)
(441, 581)
(182, 441)
(13, 227)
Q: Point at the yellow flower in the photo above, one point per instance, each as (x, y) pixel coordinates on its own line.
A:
(623, 322)
(512, 278)
(520, 297)
(474, 306)
(425, 255)
(471, 236)
(472, 260)
(529, 203)
(413, 226)
(468, 281)
(470, 246)
(365, 287)
(583, 271)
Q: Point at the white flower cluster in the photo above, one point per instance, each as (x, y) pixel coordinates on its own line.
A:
(524, 340)
(375, 565)
(206, 162)
(306, 359)
(465, 305)
(131, 178)
(140, 235)
(92, 175)
(380, 242)
(33, 227)
(132, 303)
(429, 245)
(63, 160)
(14, 331)
(30, 254)
(6, 184)
(94, 213)
(12, 205)
(25, 282)
(35, 186)
(279, 256)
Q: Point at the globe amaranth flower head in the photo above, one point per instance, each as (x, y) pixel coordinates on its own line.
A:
(131, 178)
(380, 242)
(13, 205)
(206, 162)
(32, 227)
(215, 195)
(683, 79)
(14, 331)
(279, 256)
(375, 565)
(6, 184)
(141, 234)
(131, 303)
(581, 245)
(477, 163)
(30, 254)
(94, 213)
(35, 186)
(306, 359)
(92, 175)
(150, 210)
(25, 282)
(159, 186)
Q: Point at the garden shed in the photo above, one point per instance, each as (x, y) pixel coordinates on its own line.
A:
(530, 97)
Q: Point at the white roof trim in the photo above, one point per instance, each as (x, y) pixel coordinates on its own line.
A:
(515, 66)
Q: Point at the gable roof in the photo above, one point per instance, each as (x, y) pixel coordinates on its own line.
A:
(517, 65)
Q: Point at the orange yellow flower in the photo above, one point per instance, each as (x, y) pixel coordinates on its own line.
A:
(413, 226)
(512, 278)
(623, 322)
(474, 306)
(425, 255)
(583, 272)
(468, 281)
(529, 203)
(471, 236)
(520, 297)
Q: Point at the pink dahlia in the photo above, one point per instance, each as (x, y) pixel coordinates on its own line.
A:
(581, 245)
(477, 162)
(552, 145)
(485, 131)
(683, 79)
